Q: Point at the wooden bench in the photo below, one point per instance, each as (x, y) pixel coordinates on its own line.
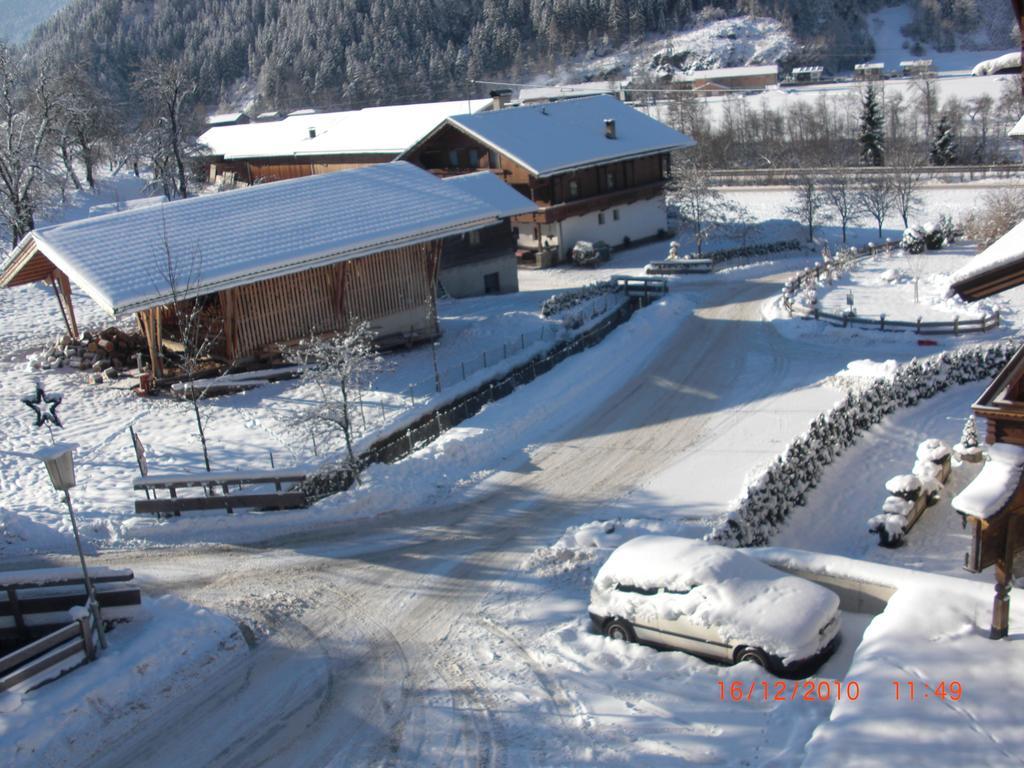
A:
(35, 602)
(217, 494)
(679, 266)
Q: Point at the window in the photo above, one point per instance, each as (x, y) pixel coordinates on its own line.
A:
(600, 218)
(474, 237)
(574, 189)
(492, 158)
(453, 158)
(492, 283)
(615, 214)
(609, 180)
(474, 157)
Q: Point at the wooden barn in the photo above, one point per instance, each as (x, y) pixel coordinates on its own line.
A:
(596, 168)
(267, 264)
(306, 143)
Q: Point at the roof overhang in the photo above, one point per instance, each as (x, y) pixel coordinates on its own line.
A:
(990, 282)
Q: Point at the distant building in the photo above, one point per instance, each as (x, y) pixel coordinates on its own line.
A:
(807, 74)
(307, 142)
(713, 81)
(549, 93)
(874, 70)
(916, 67)
(232, 118)
(595, 167)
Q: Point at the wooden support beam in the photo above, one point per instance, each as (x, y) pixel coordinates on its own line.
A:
(65, 289)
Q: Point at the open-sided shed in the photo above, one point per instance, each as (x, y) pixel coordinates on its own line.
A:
(269, 263)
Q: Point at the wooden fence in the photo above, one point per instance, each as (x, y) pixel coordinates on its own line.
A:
(789, 176)
(809, 277)
(50, 656)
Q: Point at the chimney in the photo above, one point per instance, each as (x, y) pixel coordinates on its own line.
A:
(312, 133)
(500, 98)
(609, 128)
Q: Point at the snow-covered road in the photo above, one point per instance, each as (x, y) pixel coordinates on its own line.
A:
(371, 635)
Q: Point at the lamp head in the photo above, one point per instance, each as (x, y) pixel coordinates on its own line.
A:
(60, 465)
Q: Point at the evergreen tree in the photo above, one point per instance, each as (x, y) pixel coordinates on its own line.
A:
(944, 148)
(872, 129)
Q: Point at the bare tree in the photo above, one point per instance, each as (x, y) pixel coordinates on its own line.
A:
(840, 198)
(28, 109)
(172, 125)
(1000, 210)
(87, 121)
(906, 185)
(704, 208)
(808, 205)
(340, 366)
(199, 326)
(876, 200)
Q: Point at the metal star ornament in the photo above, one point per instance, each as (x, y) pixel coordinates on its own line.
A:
(44, 406)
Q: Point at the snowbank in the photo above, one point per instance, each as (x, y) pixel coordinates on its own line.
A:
(169, 649)
(996, 483)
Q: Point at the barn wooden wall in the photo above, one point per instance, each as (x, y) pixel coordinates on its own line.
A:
(260, 315)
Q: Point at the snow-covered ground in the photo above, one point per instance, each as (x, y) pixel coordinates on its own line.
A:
(485, 543)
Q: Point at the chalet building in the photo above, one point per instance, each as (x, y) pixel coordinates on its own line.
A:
(993, 505)
(726, 79)
(271, 263)
(307, 142)
(807, 74)
(231, 118)
(484, 260)
(595, 167)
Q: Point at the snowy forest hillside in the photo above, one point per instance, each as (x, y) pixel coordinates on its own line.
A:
(352, 53)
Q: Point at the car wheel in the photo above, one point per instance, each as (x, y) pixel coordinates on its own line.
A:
(619, 629)
(755, 655)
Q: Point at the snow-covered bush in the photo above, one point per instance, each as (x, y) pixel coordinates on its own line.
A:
(913, 240)
(560, 302)
(906, 487)
(770, 497)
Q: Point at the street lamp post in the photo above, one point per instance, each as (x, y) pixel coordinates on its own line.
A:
(60, 465)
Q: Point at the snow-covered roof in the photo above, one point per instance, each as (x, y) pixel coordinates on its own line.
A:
(568, 91)
(486, 186)
(1005, 255)
(743, 599)
(385, 130)
(807, 70)
(225, 118)
(234, 238)
(916, 63)
(1017, 131)
(558, 137)
(998, 64)
(727, 72)
(989, 492)
(869, 65)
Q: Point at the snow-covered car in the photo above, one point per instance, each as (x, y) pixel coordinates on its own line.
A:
(587, 254)
(715, 602)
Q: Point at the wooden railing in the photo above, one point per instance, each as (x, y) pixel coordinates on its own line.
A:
(50, 656)
(217, 494)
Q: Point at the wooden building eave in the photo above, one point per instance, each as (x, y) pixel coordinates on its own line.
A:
(1003, 399)
(990, 282)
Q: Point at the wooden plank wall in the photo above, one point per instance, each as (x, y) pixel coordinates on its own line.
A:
(323, 299)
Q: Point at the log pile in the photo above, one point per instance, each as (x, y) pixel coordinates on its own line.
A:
(105, 354)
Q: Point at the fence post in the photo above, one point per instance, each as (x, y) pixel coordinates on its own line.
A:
(463, 364)
(918, 331)
(485, 359)
(85, 627)
(995, 319)
(881, 322)
(383, 416)
(956, 325)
